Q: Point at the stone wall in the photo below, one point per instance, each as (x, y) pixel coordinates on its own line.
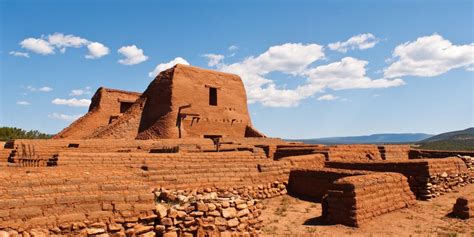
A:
(356, 199)
(428, 178)
(81, 202)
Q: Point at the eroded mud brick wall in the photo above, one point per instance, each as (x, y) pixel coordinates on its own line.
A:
(106, 106)
(43, 198)
(394, 152)
(420, 154)
(186, 102)
(354, 200)
(354, 152)
(427, 177)
(314, 183)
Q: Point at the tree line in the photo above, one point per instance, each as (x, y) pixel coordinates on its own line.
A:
(10, 133)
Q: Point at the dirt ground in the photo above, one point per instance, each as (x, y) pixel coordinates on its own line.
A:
(288, 215)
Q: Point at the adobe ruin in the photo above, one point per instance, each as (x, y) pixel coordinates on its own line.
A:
(149, 165)
(181, 102)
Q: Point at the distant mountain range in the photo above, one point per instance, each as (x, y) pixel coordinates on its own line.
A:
(370, 139)
(457, 140)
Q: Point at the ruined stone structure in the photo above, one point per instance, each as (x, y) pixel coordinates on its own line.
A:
(181, 102)
(151, 164)
(106, 106)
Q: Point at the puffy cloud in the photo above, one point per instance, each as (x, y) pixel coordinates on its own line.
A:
(233, 48)
(361, 41)
(78, 92)
(295, 59)
(349, 73)
(133, 55)
(163, 66)
(22, 102)
(214, 59)
(48, 44)
(65, 117)
(429, 56)
(96, 50)
(39, 46)
(19, 54)
(72, 102)
(62, 41)
(41, 89)
(328, 97)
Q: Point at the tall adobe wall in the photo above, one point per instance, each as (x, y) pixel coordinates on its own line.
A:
(107, 105)
(186, 102)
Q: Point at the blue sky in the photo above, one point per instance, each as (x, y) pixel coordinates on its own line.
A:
(311, 68)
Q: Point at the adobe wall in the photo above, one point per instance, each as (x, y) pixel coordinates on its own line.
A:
(104, 107)
(356, 199)
(354, 152)
(113, 188)
(420, 154)
(177, 104)
(394, 152)
(285, 150)
(428, 178)
(228, 118)
(306, 161)
(314, 183)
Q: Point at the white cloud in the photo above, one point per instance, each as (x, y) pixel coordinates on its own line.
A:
(72, 102)
(471, 69)
(41, 89)
(328, 97)
(133, 55)
(163, 66)
(429, 56)
(349, 73)
(361, 41)
(45, 89)
(64, 116)
(296, 59)
(214, 59)
(39, 46)
(47, 45)
(19, 54)
(22, 102)
(61, 41)
(96, 50)
(78, 92)
(233, 48)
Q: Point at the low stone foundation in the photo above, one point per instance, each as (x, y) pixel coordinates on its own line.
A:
(190, 212)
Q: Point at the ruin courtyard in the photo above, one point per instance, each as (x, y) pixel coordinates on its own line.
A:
(184, 159)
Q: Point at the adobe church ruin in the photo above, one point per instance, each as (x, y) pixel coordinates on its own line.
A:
(143, 165)
(182, 102)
